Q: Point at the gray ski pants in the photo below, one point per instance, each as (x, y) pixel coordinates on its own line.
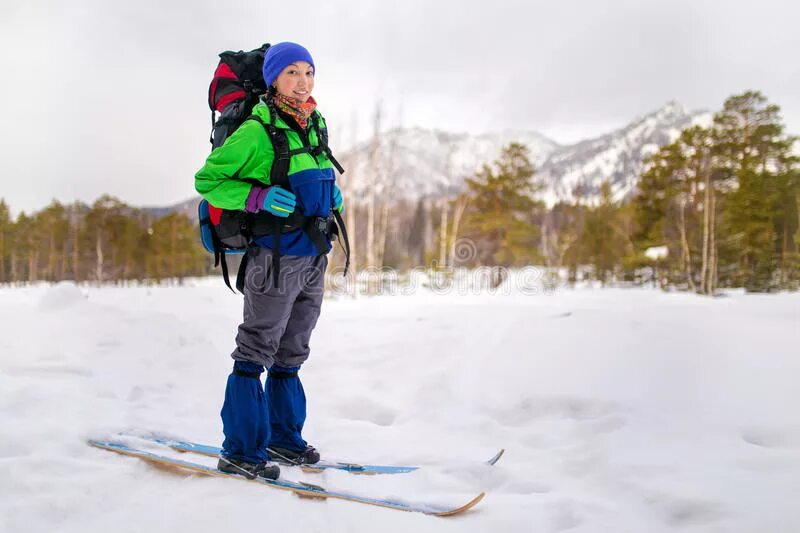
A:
(278, 322)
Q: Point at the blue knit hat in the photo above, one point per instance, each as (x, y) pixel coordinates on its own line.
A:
(281, 55)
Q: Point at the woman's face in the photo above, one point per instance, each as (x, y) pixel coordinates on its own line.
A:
(296, 81)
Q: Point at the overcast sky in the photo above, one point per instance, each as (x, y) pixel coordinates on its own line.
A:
(110, 97)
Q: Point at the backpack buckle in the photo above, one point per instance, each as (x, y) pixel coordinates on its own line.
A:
(320, 224)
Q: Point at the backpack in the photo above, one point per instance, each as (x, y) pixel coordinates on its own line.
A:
(237, 85)
(234, 90)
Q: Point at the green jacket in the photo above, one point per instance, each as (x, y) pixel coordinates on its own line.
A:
(248, 154)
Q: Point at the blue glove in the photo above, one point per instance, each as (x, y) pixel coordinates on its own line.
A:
(338, 202)
(279, 202)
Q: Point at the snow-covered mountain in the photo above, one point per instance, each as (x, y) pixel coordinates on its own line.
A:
(618, 156)
(417, 162)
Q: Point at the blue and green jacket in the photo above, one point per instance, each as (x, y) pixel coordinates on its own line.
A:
(236, 174)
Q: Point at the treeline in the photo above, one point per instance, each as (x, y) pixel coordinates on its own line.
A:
(724, 200)
(716, 208)
(108, 241)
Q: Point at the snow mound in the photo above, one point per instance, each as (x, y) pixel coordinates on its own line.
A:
(61, 296)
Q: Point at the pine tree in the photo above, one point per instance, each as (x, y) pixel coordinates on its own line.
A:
(173, 249)
(501, 210)
(758, 157)
(669, 203)
(563, 236)
(6, 244)
(603, 240)
(24, 255)
(49, 232)
(103, 237)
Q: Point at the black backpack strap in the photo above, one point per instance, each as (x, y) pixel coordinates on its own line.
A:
(322, 139)
(213, 120)
(241, 274)
(280, 146)
(346, 246)
(276, 251)
(219, 257)
(219, 253)
(318, 229)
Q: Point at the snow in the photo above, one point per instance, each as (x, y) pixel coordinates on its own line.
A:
(656, 252)
(618, 156)
(620, 409)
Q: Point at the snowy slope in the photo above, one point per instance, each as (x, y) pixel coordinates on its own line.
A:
(419, 162)
(621, 410)
(618, 156)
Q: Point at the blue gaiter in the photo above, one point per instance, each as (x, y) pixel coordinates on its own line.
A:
(287, 408)
(245, 415)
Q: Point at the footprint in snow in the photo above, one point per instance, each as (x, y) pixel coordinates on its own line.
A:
(771, 437)
(368, 410)
(686, 512)
(564, 407)
(49, 371)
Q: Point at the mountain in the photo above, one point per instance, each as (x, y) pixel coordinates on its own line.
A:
(187, 207)
(618, 156)
(411, 163)
(418, 162)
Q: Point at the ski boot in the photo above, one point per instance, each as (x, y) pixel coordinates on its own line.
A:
(283, 456)
(248, 470)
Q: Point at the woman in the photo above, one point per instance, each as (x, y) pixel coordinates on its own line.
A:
(281, 306)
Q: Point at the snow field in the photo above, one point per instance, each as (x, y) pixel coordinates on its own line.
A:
(620, 410)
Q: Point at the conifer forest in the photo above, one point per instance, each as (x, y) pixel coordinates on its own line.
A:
(716, 208)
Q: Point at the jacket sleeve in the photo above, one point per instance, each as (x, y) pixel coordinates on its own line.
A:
(247, 154)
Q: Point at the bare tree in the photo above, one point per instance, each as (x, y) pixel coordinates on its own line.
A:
(75, 224)
(427, 227)
(461, 202)
(443, 233)
(387, 177)
(373, 172)
(686, 253)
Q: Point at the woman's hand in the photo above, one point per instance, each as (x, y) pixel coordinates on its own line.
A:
(279, 202)
(338, 202)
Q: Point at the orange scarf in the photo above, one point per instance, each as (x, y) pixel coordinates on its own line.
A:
(300, 111)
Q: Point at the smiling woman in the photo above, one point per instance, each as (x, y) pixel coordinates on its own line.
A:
(296, 80)
(292, 91)
(276, 171)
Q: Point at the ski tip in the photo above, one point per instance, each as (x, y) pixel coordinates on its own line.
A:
(467, 506)
(497, 457)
